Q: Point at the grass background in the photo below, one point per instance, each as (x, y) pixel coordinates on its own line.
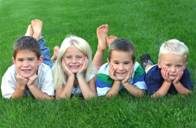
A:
(146, 22)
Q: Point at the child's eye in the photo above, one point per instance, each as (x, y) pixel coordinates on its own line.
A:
(30, 59)
(20, 59)
(116, 62)
(68, 57)
(168, 65)
(127, 62)
(179, 66)
(78, 57)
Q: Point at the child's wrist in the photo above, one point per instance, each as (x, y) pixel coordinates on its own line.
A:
(79, 75)
(116, 82)
(167, 82)
(125, 83)
(21, 87)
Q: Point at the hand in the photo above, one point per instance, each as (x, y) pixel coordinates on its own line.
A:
(112, 73)
(66, 69)
(31, 80)
(21, 81)
(178, 77)
(102, 35)
(83, 68)
(165, 74)
(128, 76)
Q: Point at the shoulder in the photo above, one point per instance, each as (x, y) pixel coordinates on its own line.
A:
(44, 70)
(138, 70)
(155, 70)
(103, 76)
(9, 78)
(11, 71)
(104, 69)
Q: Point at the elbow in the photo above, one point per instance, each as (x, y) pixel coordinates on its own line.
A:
(87, 97)
(139, 93)
(60, 96)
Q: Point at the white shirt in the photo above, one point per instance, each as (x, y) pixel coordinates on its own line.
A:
(44, 81)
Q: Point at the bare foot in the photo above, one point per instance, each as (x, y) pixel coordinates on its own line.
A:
(55, 53)
(29, 31)
(37, 28)
(102, 33)
(110, 39)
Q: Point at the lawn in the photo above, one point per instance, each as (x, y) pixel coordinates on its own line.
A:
(145, 22)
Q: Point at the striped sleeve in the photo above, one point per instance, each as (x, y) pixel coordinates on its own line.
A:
(103, 80)
(138, 76)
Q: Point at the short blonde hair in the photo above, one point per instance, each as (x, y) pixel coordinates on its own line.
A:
(79, 43)
(174, 46)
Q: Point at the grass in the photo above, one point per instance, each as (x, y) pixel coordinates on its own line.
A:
(146, 22)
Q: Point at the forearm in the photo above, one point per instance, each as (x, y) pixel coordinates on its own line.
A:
(162, 91)
(37, 93)
(181, 89)
(66, 90)
(19, 92)
(87, 92)
(114, 90)
(135, 91)
(98, 58)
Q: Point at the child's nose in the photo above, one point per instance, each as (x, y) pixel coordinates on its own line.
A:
(25, 63)
(173, 69)
(121, 66)
(74, 60)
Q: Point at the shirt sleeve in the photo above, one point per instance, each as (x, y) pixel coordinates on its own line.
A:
(153, 80)
(138, 77)
(47, 83)
(8, 85)
(103, 80)
(186, 80)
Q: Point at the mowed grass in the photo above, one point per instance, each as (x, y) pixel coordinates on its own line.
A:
(147, 23)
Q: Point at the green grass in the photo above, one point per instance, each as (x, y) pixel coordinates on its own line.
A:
(146, 22)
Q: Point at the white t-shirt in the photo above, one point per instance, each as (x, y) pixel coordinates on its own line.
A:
(44, 81)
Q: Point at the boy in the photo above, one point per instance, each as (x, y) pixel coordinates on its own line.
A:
(170, 75)
(121, 71)
(28, 75)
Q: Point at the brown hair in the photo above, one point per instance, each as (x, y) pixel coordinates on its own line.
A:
(27, 43)
(122, 45)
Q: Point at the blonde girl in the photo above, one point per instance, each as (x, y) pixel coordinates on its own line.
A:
(73, 71)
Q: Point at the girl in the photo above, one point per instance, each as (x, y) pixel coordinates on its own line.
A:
(74, 73)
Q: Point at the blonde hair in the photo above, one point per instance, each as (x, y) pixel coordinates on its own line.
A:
(174, 46)
(79, 43)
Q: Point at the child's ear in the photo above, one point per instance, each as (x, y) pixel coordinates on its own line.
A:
(40, 59)
(13, 60)
(108, 60)
(159, 63)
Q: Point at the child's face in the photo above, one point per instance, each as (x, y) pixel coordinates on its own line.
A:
(121, 62)
(26, 63)
(74, 59)
(174, 64)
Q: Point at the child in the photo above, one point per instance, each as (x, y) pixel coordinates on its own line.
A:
(170, 75)
(35, 30)
(121, 71)
(27, 76)
(74, 73)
